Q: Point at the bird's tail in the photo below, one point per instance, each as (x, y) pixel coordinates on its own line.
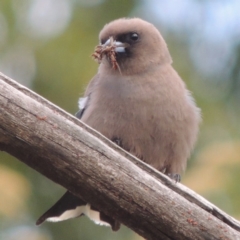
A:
(70, 206)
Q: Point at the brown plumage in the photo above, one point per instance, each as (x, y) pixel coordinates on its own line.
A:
(138, 101)
(146, 105)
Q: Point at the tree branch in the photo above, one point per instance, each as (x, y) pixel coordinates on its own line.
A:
(83, 161)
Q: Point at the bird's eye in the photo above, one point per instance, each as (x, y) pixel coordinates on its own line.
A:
(134, 36)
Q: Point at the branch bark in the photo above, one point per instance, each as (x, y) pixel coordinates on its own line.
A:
(83, 161)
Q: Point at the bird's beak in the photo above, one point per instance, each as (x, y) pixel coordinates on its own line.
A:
(119, 46)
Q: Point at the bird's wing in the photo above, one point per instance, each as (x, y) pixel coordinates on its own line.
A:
(70, 206)
(84, 101)
(82, 105)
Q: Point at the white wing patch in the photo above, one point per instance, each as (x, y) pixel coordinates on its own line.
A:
(82, 103)
(78, 211)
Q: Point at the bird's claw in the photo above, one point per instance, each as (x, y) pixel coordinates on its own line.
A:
(175, 176)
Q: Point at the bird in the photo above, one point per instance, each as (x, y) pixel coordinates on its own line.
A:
(138, 101)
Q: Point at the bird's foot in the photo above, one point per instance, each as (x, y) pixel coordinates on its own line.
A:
(117, 141)
(174, 176)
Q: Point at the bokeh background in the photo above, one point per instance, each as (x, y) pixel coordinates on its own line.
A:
(46, 45)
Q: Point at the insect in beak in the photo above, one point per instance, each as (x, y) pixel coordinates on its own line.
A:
(109, 48)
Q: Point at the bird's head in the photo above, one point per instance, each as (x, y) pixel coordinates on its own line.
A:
(131, 45)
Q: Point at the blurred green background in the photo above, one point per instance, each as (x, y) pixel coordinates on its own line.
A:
(46, 45)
